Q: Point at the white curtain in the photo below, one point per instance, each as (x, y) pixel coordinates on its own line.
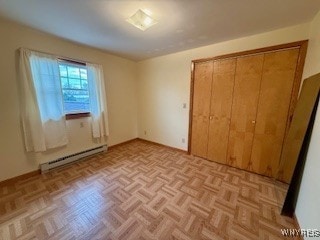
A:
(43, 118)
(98, 104)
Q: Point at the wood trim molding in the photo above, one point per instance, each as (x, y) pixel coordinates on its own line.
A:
(162, 145)
(122, 143)
(146, 141)
(302, 45)
(297, 44)
(297, 81)
(191, 107)
(295, 89)
(13, 180)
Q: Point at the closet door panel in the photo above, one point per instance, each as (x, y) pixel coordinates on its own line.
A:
(199, 136)
(220, 110)
(274, 101)
(201, 108)
(244, 110)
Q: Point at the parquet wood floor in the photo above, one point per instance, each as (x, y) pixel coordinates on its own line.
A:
(143, 191)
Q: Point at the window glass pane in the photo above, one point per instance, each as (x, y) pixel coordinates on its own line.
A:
(73, 72)
(74, 88)
(74, 83)
(76, 107)
(64, 82)
(76, 101)
(83, 73)
(76, 95)
(63, 71)
(84, 84)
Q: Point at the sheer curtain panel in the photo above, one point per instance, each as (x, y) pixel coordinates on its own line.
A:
(42, 113)
(98, 104)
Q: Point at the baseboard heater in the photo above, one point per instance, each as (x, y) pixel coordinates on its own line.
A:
(71, 158)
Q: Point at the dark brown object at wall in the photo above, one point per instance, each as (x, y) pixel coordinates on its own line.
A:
(298, 128)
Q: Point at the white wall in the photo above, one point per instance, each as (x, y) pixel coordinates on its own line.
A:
(308, 207)
(121, 92)
(164, 84)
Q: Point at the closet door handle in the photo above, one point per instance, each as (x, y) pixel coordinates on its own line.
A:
(211, 117)
(253, 121)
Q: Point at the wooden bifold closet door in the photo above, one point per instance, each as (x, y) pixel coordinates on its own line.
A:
(273, 108)
(242, 105)
(244, 111)
(201, 108)
(220, 109)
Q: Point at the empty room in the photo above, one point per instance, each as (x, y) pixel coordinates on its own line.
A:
(174, 119)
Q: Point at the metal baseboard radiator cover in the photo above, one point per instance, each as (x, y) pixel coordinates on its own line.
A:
(71, 158)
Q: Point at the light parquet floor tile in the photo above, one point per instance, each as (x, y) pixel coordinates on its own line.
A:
(143, 191)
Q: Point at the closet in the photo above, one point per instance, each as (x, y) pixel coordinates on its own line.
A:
(242, 104)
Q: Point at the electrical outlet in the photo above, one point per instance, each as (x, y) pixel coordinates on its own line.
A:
(184, 105)
(81, 124)
(145, 132)
(183, 140)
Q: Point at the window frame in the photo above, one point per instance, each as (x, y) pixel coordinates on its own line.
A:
(72, 115)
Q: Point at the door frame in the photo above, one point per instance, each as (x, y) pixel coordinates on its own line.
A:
(302, 45)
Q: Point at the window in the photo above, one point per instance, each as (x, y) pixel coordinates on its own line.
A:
(74, 83)
(63, 90)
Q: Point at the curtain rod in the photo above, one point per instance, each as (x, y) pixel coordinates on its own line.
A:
(60, 57)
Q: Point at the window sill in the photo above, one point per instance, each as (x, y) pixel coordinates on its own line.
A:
(70, 116)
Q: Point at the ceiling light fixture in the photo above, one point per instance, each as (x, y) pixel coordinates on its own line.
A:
(141, 20)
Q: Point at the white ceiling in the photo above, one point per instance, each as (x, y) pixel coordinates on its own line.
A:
(182, 24)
